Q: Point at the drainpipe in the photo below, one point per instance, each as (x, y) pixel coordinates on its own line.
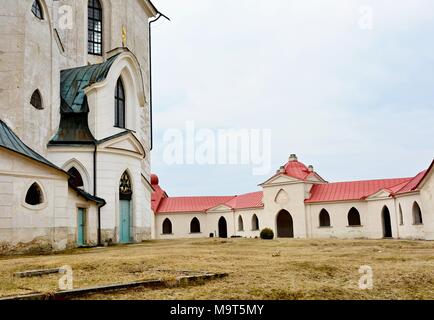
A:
(95, 191)
(150, 76)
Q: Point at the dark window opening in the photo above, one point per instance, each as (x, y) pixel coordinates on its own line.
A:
(125, 187)
(36, 100)
(76, 179)
(354, 217)
(34, 195)
(240, 224)
(324, 218)
(120, 105)
(94, 27)
(255, 223)
(167, 227)
(401, 217)
(37, 10)
(417, 214)
(195, 226)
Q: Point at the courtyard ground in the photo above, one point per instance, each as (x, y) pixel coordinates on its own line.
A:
(258, 269)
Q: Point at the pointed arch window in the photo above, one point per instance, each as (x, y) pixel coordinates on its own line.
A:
(240, 224)
(417, 214)
(324, 218)
(36, 100)
(95, 27)
(120, 105)
(167, 226)
(37, 10)
(401, 217)
(195, 226)
(34, 195)
(255, 223)
(354, 218)
(76, 180)
(125, 187)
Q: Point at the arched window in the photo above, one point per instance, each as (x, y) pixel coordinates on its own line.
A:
(125, 187)
(354, 217)
(76, 180)
(36, 100)
(255, 222)
(417, 214)
(37, 10)
(240, 224)
(120, 105)
(324, 218)
(167, 226)
(94, 43)
(195, 226)
(34, 195)
(401, 217)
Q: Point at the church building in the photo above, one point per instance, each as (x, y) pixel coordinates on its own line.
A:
(297, 202)
(75, 122)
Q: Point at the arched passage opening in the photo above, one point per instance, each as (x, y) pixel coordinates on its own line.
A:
(387, 225)
(285, 227)
(223, 228)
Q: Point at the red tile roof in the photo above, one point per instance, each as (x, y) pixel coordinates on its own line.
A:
(355, 190)
(413, 183)
(249, 200)
(191, 204)
(327, 192)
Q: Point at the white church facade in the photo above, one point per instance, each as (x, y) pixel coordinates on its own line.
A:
(75, 118)
(298, 203)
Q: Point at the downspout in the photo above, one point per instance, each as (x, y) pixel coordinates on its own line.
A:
(95, 191)
(150, 77)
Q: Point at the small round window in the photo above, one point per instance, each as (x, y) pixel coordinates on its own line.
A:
(36, 100)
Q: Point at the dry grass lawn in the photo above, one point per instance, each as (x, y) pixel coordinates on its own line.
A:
(302, 269)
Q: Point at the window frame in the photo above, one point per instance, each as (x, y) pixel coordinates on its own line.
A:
(92, 30)
(118, 101)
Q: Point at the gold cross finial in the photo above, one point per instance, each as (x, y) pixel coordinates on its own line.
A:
(124, 36)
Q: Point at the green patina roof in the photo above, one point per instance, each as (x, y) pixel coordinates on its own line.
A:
(74, 81)
(9, 140)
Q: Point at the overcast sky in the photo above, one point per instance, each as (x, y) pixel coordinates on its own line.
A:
(353, 98)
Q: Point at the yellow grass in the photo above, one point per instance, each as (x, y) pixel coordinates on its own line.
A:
(278, 269)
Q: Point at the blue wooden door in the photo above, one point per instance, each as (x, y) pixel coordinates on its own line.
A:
(81, 227)
(125, 215)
